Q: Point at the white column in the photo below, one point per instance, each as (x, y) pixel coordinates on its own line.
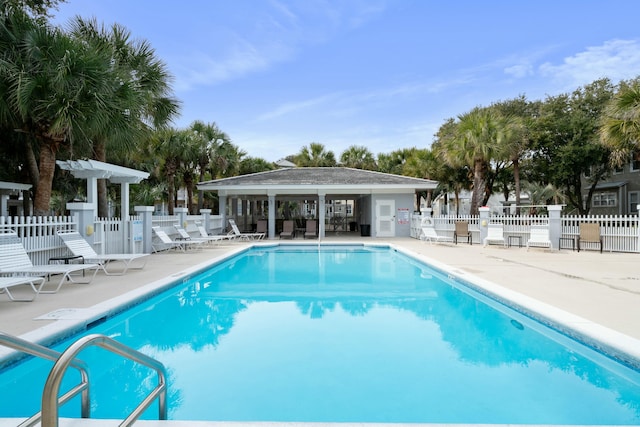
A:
(321, 214)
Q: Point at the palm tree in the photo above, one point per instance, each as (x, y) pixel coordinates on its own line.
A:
(142, 92)
(474, 141)
(56, 87)
(315, 155)
(207, 138)
(358, 157)
(620, 130)
(170, 146)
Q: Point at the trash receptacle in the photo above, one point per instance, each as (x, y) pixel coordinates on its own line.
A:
(365, 230)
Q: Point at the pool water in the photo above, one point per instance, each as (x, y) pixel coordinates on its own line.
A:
(341, 334)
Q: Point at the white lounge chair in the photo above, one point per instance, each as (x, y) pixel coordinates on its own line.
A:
(184, 235)
(429, 234)
(167, 243)
(215, 237)
(495, 234)
(244, 236)
(7, 282)
(81, 248)
(539, 236)
(14, 260)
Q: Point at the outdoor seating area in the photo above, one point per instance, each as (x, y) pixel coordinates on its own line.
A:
(14, 261)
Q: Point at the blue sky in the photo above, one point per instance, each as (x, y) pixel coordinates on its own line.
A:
(276, 75)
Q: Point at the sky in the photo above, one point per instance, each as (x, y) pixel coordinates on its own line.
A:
(277, 75)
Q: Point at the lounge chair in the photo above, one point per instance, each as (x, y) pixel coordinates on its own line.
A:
(167, 243)
(288, 228)
(495, 234)
(81, 248)
(311, 229)
(244, 236)
(15, 261)
(539, 236)
(215, 237)
(589, 233)
(7, 282)
(430, 235)
(462, 230)
(185, 236)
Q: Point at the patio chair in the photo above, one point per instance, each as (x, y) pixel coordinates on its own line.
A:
(7, 282)
(15, 261)
(215, 237)
(244, 236)
(462, 230)
(81, 248)
(539, 236)
(495, 234)
(288, 228)
(185, 236)
(589, 233)
(167, 243)
(430, 235)
(262, 226)
(310, 230)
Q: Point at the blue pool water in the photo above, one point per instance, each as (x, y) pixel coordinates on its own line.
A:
(344, 334)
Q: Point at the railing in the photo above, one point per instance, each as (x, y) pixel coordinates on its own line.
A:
(54, 380)
(50, 400)
(48, 354)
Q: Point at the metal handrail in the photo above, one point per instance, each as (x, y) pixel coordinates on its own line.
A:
(66, 359)
(37, 350)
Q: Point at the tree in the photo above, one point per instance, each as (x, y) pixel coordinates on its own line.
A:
(474, 142)
(315, 155)
(358, 157)
(170, 145)
(620, 130)
(520, 115)
(566, 146)
(56, 87)
(207, 138)
(394, 161)
(142, 96)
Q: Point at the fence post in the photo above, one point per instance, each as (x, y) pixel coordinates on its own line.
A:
(145, 213)
(84, 215)
(555, 225)
(206, 219)
(182, 216)
(484, 222)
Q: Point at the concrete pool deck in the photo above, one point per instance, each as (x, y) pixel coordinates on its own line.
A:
(602, 288)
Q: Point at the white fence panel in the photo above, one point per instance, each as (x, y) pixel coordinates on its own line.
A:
(619, 233)
(38, 235)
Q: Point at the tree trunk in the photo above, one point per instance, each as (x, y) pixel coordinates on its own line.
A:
(171, 190)
(516, 183)
(32, 164)
(478, 186)
(47, 168)
(100, 154)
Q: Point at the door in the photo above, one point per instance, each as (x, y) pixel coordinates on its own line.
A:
(385, 218)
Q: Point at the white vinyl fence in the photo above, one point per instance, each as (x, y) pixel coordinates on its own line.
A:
(620, 233)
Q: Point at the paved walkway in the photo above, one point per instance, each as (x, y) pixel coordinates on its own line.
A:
(602, 288)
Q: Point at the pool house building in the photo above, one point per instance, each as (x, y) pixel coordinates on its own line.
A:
(341, 200)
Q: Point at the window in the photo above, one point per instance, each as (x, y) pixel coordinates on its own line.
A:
(601, 200)
(634, 166)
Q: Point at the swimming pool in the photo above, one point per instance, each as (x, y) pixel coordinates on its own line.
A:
(345, 334)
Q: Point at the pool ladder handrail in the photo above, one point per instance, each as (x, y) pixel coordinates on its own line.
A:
(42, 352)
(50, 401)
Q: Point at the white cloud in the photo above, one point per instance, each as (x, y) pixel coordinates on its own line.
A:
(615, 59)
(519, 71)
